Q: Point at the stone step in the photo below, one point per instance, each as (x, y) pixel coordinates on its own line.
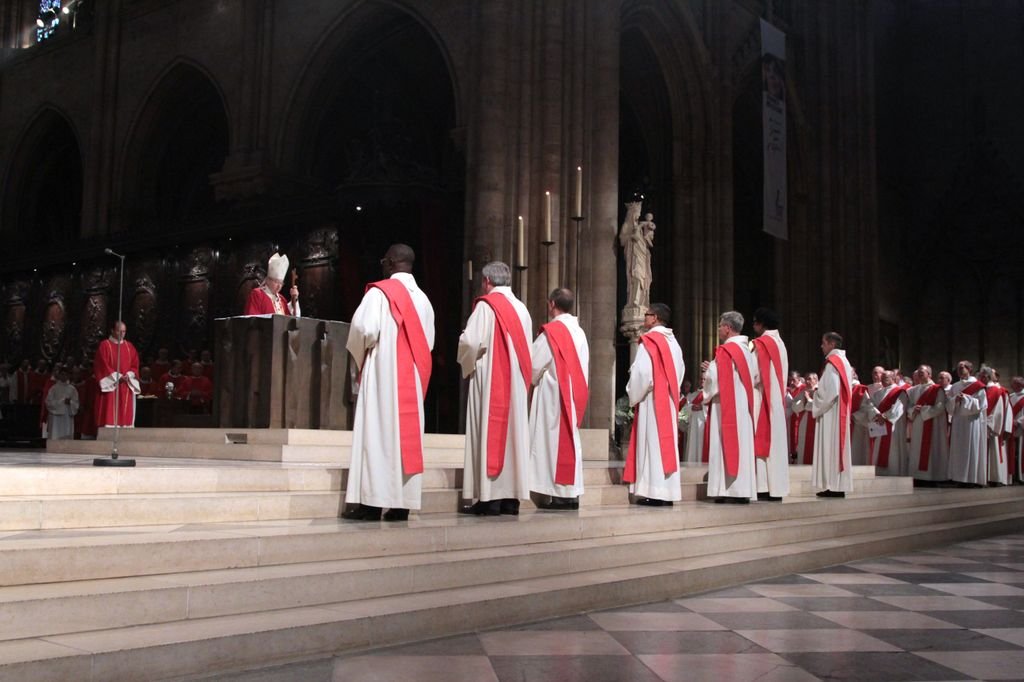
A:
(100, 604)
(51, 557)
(231, 642)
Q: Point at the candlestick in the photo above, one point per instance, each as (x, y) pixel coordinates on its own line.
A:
(469, 269)
(578, 207)
(547, 219)
(521, 246)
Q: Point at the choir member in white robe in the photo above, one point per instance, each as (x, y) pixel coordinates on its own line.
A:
(61, 406)
(772, 470)
(889, 452)
(727, 442)
(652, 472)
(499, 487)
(863, 412)
(997, 423)
(929, 449)
(832, 470)
(967, 406)
(1015, 445)
(805, 423)
(549, 424)
(695, 428)
(383, 471)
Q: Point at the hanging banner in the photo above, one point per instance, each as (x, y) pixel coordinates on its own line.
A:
(773, 111)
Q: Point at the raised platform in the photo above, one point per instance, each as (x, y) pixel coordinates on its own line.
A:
(180, 568)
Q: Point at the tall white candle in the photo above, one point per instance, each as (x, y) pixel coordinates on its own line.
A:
(578, 208)
(521, 247)
(547, 216)
(469, 269)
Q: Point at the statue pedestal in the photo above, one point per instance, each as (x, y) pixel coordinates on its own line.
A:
(632, 327)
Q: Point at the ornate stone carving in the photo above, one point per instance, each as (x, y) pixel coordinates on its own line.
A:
(51, 341)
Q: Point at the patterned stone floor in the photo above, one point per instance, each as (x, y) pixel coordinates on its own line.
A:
(954, 613)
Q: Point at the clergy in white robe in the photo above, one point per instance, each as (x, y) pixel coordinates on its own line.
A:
(889, 451)
(733, 402)
(929, 449)
(1015, 445)
(832, 470)
(862, 413)
(968, 449)
(561, 360)
(390, 339)
(655, 378)
(61, 406)
(998, 424)
(695, 428)
(805, 423)
(494, 353)
(771, 436)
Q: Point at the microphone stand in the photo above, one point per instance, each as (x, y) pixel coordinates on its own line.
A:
(114, 460)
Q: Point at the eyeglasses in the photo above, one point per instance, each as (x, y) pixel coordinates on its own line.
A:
(650, 314)
(384, 260)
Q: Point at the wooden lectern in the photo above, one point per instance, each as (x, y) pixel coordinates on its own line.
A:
(274, 371)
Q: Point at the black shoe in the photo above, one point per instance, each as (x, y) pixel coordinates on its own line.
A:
(481, 508)
(560, 504)
(823, 493)
(831, 493)
(719, 500)
(509, 506)
(361, 512)
(396, 515)
(650, 502)
(763, 496)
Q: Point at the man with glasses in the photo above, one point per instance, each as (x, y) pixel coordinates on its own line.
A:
(652, 465)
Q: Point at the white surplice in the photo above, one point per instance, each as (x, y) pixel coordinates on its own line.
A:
(860, 440)
(968, 461)
(546, 411)
(896, 416)
(801, 407)
(931, 418)
(60, 421)
(773, 472)
(651, 481)
(720, 484)
(1015, 446)
(376, 477)
(998, 422)
(825, 408)
(475, 360)
(695, 430)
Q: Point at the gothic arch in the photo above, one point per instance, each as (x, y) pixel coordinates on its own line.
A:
(43, 190)
(359, 37)
(180, 136)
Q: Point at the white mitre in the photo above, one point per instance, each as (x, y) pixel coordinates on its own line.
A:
(277, 268)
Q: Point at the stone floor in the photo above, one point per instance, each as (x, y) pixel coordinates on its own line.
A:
(952, 613)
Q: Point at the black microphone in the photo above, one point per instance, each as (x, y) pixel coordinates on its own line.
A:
(111, 252)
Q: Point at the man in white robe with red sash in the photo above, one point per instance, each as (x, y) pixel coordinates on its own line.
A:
(805, 423)
(929, 449)
(494, 353)
(889, 452)
(862, 413)
(116, 368)
(771, 437)
(998, 423)
(832, 470)
(967, 406)
(794, 386)
(267, 299)
(390, 340)
(655, 377)
(1015, 446)
(729, 391)
(561, 365)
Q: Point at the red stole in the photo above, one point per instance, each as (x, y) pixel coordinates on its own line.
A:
(845, 398)
(413, 357)
(698, 402)
(926, 399)
(812, 424)
(663, 370)
(886, 445)
(794, 419)
(727, 356)
(993, 394)
(572, 388)
(506, 325)
(767, 355)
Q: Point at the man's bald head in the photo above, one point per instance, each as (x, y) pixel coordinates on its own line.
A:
(399, 258)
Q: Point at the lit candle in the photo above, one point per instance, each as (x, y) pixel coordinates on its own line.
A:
(547, 217)
(469, 269)
(521, 250)
(578, 209)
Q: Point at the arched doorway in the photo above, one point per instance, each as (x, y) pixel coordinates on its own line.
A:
(375, 136)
